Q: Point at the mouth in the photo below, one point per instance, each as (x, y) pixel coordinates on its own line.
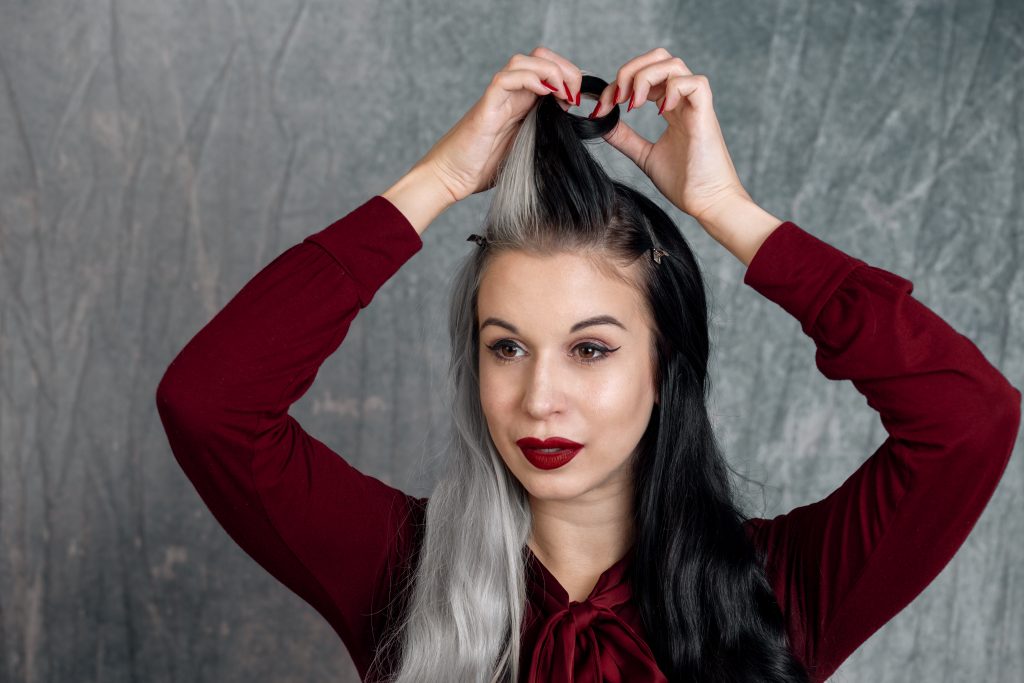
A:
(550, 453)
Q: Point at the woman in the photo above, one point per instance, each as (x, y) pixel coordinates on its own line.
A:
(585, 529)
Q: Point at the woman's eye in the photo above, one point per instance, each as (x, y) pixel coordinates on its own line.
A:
(589, 352)
(591, 349)
(497, 348)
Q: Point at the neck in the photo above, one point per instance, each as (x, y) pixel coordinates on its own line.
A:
(582, 537)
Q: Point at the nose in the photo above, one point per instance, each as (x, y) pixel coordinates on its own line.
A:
(544, 392)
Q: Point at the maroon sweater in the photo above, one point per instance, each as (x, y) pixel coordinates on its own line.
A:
(840, 567)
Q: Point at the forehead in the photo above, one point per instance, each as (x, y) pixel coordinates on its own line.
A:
(559, 284)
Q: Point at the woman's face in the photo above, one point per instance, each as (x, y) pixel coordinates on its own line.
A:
(543, 374)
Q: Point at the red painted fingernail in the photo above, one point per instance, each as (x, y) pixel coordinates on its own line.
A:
(549, 86)
(567, 92)
(630, 103)
(596, 109)
(662, 107)
(578, 97)
(615, 99)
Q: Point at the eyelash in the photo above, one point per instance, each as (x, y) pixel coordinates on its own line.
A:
(605, 351)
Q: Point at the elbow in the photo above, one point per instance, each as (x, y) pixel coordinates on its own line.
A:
(995, 433)
(163, 391)
(977, 463)
(181, 401)
(993, 412)
(1003, 405)
(1009, 413)
(169, 396)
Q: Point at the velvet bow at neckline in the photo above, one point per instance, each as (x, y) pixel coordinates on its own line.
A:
(586, 642)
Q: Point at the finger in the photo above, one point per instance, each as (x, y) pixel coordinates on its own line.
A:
(623, 83)
(695, 89)
(509, 81)
(572, 74)
(553, 72)
(649, 83)
(633, 145)
(547, 71)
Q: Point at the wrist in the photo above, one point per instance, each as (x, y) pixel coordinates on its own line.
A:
(740, 225)
(420, 196)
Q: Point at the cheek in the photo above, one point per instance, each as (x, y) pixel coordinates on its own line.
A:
(488, 387)
(619, 409)
(496, 396)
(618, 400)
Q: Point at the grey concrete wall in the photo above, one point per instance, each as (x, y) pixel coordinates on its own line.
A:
(155, 155)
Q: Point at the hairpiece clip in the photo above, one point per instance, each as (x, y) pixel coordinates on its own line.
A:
(657, 253)
(479, 239)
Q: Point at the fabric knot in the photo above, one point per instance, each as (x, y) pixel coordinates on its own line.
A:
(583, 614)
(584, 642)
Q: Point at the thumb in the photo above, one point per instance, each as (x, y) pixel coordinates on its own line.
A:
(623, 138)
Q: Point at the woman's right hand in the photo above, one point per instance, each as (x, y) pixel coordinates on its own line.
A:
(466, 158)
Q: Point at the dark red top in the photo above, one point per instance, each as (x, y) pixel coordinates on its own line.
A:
(840, 567)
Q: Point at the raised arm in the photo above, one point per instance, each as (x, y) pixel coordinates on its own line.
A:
(845, 565)
(321, 527)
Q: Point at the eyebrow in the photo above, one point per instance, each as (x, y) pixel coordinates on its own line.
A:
(589, 322)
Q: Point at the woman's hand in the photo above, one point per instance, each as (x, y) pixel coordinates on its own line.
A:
(689, 163)
(467, 157)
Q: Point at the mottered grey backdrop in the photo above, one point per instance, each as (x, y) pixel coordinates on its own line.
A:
(156, 155)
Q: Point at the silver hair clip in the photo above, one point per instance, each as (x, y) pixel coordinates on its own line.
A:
(479, 239)
(657, 253)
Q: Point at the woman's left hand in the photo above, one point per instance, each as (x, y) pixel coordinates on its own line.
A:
(689, 163)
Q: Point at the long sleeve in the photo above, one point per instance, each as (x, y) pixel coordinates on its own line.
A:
(843, 566)
(328, 532)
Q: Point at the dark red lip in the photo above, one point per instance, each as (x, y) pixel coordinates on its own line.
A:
(548, 461)
(550, 442)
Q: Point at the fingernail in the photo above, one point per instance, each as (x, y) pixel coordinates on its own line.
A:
(567, 92)
(549, 86)
(596, 109)
(630, 103)
(578, 97)
(662, 107)
(615, 99)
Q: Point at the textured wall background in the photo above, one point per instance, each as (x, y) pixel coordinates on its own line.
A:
(156, 155)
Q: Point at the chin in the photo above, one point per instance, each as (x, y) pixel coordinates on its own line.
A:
(554, 485)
